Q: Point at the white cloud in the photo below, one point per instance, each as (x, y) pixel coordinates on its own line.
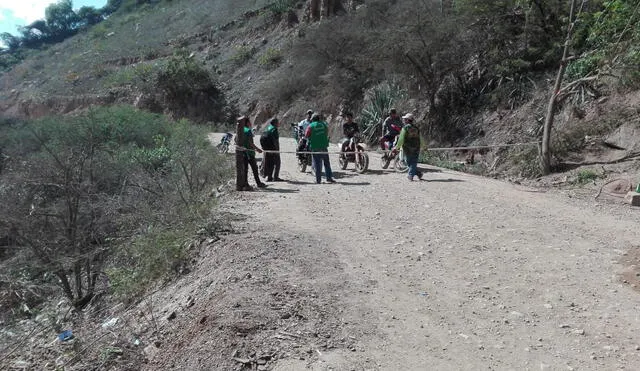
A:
(27, 10)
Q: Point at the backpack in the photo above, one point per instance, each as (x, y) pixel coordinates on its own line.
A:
(265, 140)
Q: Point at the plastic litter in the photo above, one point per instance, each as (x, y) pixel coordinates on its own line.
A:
(65, 335)
(110, 323)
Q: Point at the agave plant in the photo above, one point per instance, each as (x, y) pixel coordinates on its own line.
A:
(378, 100)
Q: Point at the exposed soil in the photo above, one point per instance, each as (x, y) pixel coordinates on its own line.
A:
(375, 272)
(379, 273)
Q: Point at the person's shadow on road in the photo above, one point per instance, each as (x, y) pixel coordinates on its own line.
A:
(279, 190)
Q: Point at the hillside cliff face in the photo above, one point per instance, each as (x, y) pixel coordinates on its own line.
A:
(469, 79)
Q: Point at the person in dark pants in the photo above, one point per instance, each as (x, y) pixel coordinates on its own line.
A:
(410, 142)
(318, 134)
(250, 154)
(270, 141)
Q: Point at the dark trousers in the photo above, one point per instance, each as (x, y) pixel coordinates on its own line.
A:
(272, 165)
(412, 162)
(251, 161)
(318, 160)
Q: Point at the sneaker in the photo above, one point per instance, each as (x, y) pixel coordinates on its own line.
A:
(278, 180)
(262, 185)
(330, 181)
(420, 176)
(269, 179)
(410, 177)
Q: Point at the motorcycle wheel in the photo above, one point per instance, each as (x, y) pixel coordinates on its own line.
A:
(401, 164)
(302, 166)
(342, 160)
(385, 160)
(223, 148)
(362, 163)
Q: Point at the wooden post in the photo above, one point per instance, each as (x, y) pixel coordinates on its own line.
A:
(241, 175)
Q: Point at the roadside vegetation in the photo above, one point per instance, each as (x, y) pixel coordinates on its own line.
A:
(105, 202)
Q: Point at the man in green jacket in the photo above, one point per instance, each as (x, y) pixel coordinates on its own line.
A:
(410, 142)
(318, 135)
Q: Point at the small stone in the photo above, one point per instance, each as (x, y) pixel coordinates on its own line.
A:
(565, 325)
(150, 351)
(548, 306)
(172, 316)
(578, 331)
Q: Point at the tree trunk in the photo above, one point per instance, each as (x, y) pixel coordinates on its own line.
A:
(548, 122)
(241, 176)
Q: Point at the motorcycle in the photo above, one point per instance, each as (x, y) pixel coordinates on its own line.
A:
(357, 154)
(399, 160)
(223, 146)
(304, 159)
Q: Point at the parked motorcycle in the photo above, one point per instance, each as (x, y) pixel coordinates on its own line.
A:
(399, 160)
(223, 146)
(357, 154)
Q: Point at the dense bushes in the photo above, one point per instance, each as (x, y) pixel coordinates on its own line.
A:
(77, 190)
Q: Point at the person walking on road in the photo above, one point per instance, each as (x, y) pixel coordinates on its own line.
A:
(410, 142)
(318, 134)
(270, 141)
(250, 153)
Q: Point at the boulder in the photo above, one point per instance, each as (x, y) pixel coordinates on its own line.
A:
(626, 137)
(633, 198)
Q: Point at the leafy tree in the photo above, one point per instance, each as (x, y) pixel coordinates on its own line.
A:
(88, 16)
(12, 42)
(61, 20)
(34, 34)
(110, 7)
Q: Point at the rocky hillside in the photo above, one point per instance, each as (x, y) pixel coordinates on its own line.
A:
(474, 73)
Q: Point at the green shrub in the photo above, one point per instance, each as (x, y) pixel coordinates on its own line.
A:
(440, 160)
(155, 254)
(271, 57)
(279, 7)
(242, 54)
(585, 176)
(115, 187)
(184, 83)
(584, 66)
(377, 102)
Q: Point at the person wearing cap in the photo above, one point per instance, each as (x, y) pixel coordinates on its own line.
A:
(250, 153)
(304, 124)
(410, 142)
(391, 127)
(302, 129)
(318, 135)
(270, 141)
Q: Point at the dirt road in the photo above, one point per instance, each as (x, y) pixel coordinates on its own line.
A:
(455, 272)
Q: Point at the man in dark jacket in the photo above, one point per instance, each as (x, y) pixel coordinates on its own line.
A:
(249, 153)
(270, 141)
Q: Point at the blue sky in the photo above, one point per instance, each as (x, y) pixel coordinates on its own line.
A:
(14, 13)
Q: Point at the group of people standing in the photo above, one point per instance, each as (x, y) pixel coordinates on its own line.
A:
(313, 133)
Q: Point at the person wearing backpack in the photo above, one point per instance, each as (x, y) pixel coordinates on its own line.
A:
(270, 141)
(410, 142)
